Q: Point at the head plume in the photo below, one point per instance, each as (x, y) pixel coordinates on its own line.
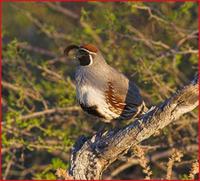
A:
(69, 48)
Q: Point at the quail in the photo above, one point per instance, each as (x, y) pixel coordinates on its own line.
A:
(101, 90)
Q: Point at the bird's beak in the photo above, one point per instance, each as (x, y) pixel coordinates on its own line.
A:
(69, 48)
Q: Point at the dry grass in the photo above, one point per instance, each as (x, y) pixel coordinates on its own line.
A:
(62, 173)
(143, 161)
(175, 157)
(194, 170)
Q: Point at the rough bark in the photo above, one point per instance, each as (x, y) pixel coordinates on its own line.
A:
(90, 157)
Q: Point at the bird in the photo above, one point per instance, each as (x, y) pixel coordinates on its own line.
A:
(101, 90)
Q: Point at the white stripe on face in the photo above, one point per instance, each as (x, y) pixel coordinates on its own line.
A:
(91, 60)
(88, 51)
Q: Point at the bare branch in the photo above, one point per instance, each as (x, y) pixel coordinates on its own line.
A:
(26, 91)
(62, 10)
(36, 49)
(90, 157)
(49, 111)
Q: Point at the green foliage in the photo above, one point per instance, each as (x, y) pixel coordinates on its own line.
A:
(154, 44)
(47, 173)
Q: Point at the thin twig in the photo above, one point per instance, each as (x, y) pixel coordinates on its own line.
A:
(49, 111)
(26, 91)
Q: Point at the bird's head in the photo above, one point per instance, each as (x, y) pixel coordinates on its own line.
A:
(86, 54)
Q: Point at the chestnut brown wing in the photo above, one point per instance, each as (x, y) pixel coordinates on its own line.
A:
(126, 104)
(114, 101)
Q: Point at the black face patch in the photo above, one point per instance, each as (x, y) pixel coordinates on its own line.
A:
(84, 60)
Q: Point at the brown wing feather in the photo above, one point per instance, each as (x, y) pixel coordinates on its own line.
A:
(115, 102)
(119, 104)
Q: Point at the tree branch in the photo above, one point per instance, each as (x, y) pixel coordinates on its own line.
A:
(90, 157)
(49, 111)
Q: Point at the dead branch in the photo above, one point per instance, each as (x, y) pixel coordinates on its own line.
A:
(90, 157)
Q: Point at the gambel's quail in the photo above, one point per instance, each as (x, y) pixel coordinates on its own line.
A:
(101, 90)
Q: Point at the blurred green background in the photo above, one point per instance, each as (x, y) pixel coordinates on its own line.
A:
(154, 44)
